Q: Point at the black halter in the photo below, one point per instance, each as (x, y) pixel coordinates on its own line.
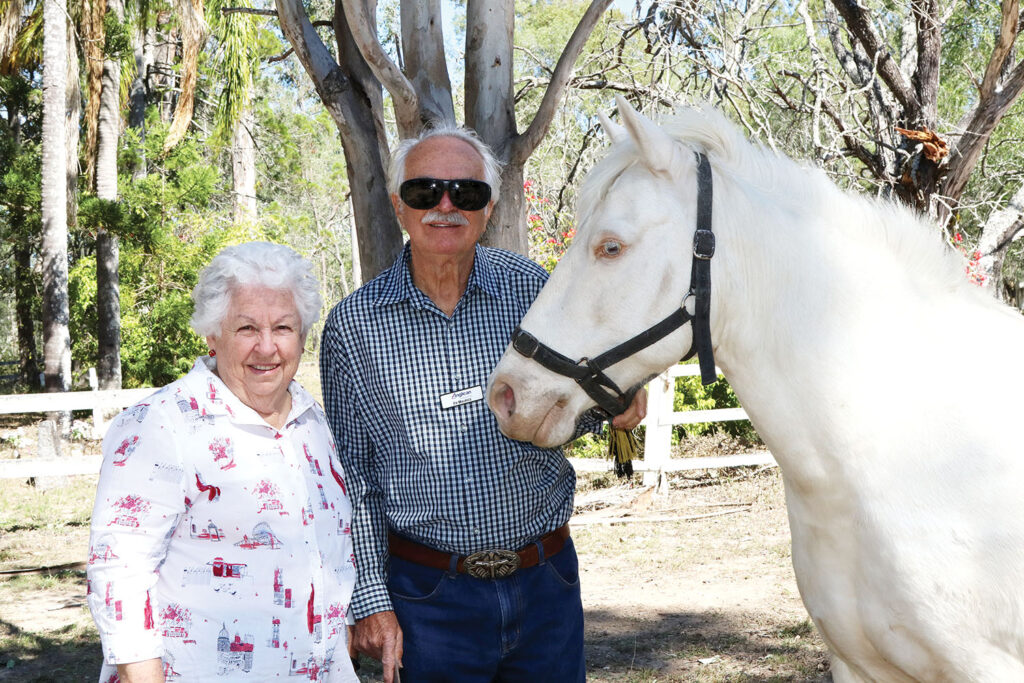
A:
(589, 372)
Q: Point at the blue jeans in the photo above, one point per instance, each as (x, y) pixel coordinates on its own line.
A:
(526, 627)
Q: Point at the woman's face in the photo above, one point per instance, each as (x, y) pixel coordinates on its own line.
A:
(259, 345)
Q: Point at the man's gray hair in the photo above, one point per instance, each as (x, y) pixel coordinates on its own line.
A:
(492, 167)
(262, 264)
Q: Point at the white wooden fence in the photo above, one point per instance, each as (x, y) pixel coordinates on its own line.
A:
(661, 417)
(657, 442)
(97, 401)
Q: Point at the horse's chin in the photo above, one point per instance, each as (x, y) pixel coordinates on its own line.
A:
(553, 429)
(556, 428)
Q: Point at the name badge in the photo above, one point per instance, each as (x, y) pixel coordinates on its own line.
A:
(462, 397)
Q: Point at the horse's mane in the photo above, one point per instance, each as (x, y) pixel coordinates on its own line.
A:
(776, 180)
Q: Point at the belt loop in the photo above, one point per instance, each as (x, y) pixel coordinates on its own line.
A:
(540, 550)
(453, 564)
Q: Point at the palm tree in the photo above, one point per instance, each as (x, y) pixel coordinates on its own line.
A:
(108, 302)
(56, 338)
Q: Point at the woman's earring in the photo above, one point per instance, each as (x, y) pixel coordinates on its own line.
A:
(212, 353)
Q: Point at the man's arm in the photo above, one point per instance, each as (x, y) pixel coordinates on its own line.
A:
(376, 631)
(342, 396)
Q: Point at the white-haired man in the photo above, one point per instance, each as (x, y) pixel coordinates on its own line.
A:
(466, 571)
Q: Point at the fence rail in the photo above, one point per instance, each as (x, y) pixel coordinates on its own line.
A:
(98, 401)
(661, 418)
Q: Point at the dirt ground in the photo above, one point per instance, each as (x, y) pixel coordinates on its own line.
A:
(694, 584)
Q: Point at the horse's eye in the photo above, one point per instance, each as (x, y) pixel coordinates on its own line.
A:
(610, 248)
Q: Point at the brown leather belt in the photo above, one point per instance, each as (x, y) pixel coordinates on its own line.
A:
(485, 564)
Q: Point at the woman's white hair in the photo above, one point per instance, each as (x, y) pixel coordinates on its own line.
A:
(492, 167)
(274, 266)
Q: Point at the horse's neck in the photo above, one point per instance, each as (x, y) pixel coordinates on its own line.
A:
(793, 305)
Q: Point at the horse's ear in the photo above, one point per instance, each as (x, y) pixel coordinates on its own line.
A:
(614, 131)
(657, 148)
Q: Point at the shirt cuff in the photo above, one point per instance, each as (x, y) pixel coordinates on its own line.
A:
(367, 600)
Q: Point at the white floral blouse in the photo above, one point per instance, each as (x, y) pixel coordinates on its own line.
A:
(220, 544)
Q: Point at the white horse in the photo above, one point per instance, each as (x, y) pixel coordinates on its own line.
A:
(885, 384)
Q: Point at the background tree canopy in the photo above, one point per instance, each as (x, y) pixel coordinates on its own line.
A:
(236, 119)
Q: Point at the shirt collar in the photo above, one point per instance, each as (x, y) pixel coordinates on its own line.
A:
(398, 285)
(214, 398)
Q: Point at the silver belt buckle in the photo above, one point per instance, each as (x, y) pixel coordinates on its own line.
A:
(491, 564)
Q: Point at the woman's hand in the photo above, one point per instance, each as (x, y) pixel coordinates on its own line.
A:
(380, 637)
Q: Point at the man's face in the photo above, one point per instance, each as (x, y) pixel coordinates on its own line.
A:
(443, 230)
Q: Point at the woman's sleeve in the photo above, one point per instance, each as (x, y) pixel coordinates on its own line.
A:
(140, 498)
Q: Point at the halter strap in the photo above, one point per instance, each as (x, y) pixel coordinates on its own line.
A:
(700, 275)
(589, 373)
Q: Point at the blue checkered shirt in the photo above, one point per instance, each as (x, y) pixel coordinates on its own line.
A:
(446, 478)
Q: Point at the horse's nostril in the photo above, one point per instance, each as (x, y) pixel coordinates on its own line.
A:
(509, 400)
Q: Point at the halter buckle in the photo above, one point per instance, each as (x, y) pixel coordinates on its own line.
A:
(703, 244)
(525, 343)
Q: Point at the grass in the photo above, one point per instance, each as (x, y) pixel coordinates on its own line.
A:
(684, 639)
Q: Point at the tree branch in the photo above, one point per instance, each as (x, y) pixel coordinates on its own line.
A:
(978, 128)
(524, 144)
(249, 10)
(403, 95)
(1003, 48)
(861, 28)
(314, 56)
(929, 49)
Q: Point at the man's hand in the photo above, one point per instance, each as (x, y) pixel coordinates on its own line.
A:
(380, 637)
(636, 412)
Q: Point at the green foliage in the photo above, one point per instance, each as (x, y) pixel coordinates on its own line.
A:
(117, 37)
(235, 60)
(691, 394)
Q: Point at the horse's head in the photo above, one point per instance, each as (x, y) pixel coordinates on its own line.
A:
(627, 269)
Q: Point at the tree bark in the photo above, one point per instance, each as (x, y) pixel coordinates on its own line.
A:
(351, 106)
(425, 62)
(137, 96)
(108, 291)
(93, 37)
(54, 250)
(72, 114)
(243, 168)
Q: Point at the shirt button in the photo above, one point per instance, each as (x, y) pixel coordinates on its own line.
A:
(476, 531)
(463, 427)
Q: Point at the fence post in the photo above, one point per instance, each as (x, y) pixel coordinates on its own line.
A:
(658, 433)
(49, 448)
(97, 411)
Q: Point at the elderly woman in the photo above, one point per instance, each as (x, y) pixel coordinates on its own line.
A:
(221, 546)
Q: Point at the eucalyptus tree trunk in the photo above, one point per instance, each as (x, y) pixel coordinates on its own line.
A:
(420, 91)
(108, 291)
(490, 111)
(54, 250)
(353, 99)
(243, 168)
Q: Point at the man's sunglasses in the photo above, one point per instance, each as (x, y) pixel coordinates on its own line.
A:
(426, 193)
